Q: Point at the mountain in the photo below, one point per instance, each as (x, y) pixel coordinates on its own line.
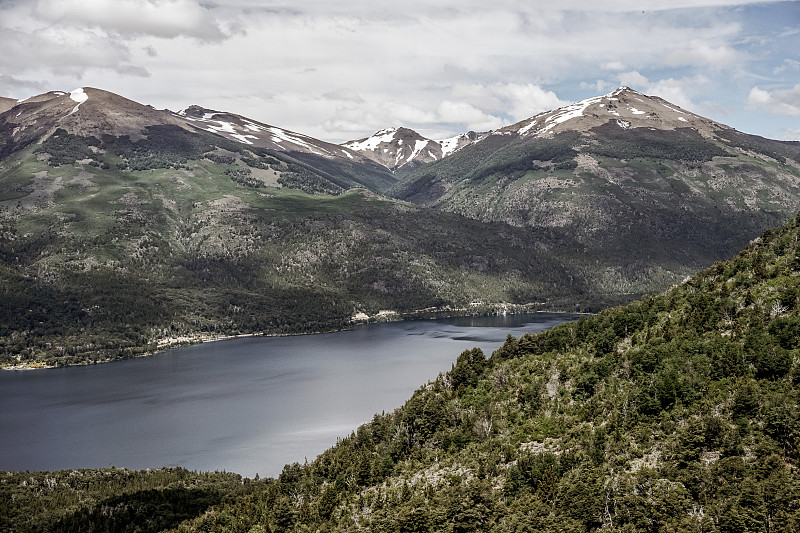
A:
(101, 112)
(625, 178)
(89, 112)
(677, 412)
(124, 229)
(397, 148)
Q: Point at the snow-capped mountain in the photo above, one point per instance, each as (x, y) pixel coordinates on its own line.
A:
(398, 147)
(624, 107)
(83, 111)
(254, 133)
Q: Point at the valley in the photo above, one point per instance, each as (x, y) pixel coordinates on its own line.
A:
(672, 407)
(122, 226)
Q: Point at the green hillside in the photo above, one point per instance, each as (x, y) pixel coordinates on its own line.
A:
(678, 412)
(675, 413)
(111, 248)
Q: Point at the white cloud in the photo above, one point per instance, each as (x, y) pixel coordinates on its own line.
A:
(11, 85)
(517, 101)
(674, 91)
(788, 64)
(463, 113)
(613, 65)
(702, 53)
(63, 52)
(599, 86)
(779, 102)
(789, 134)
(526, 100)
(159, 18)
(344, 95)
(633, 79)
(342, 69)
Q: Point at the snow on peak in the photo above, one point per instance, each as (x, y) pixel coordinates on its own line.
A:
(450, 144)
(79, 95)
(561, 115)
(371, 143)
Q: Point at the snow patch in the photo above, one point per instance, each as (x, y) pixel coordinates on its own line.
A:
(280, 135)
(451, 144)
(562, 115)
(78, 95)
(372, 143)
(624, 124)
(253, 127)
(673, 109)
(418, 147)
(682, 119)
(243, 138)
(224, 127)
(636, 111)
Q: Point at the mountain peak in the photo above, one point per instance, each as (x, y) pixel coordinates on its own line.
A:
(82, 111)
(254, 133)
(624, 107)
(397, 147)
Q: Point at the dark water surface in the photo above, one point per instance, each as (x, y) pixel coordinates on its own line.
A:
(244, 405)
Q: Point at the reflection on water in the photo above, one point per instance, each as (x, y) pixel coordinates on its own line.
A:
(245, 405)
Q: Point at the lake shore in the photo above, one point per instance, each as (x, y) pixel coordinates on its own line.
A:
(360, 318)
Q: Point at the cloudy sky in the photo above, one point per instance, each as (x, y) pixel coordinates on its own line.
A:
(342, 70)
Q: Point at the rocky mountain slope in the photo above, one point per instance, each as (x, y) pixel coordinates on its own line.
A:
(626, 174)
(677, 412)
(397, 148)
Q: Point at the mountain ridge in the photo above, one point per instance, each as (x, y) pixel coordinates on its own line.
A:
(399, 147)
(229, 237)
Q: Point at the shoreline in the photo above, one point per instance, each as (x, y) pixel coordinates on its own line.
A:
(383, 316)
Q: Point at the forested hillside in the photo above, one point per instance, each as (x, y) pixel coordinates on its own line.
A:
(678, 412)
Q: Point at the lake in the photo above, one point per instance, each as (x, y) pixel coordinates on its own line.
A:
(248, 405)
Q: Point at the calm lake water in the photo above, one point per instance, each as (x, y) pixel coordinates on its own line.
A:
(247, 405)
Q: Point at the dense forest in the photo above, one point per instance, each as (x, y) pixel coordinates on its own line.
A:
(677, 412)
